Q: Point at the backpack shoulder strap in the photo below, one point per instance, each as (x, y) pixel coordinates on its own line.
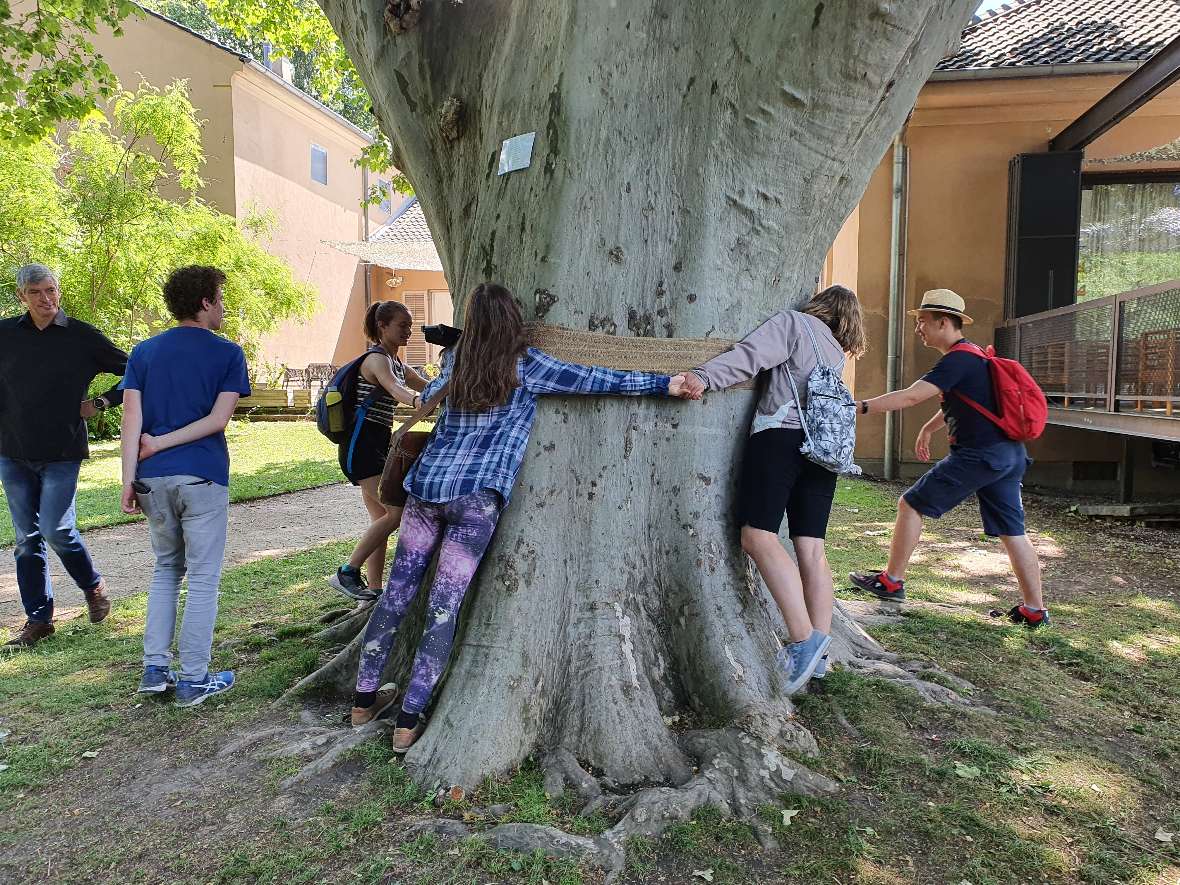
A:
(970, 347)
(995, 419)
(819, 358)
(798, 404)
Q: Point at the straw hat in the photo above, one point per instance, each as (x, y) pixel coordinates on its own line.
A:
(943, 301)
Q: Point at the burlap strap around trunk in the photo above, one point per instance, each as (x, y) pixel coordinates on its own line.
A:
(665, 356)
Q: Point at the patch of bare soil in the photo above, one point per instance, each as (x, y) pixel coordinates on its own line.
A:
(266, 527)
(1082, 559)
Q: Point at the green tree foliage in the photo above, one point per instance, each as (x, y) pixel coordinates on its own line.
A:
(49, 70)
(113, 205)
(50, 73)
(320, 67)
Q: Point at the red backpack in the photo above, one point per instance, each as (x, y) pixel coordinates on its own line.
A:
(1020, 401)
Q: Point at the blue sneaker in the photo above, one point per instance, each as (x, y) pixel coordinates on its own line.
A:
(189, 693)
(156, 679)
(799, 659)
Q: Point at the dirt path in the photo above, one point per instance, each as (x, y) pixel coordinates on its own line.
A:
(264, 527)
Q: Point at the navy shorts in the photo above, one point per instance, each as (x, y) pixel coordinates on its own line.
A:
(777, 480)
(991, 473)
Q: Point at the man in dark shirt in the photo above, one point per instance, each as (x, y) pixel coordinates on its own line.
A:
(983, 461)
(47, 361)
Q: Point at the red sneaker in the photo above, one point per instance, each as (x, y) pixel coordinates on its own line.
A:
(879, 584)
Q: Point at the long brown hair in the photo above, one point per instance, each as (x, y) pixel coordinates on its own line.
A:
(493, 339)
(382, 313)
(839, 310)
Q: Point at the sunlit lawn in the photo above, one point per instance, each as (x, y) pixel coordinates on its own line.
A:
(1071, 778)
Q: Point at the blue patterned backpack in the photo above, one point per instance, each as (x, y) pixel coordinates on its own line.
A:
(829, 419)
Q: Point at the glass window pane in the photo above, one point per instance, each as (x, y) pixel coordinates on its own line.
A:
(319, 164)
(1130, 237)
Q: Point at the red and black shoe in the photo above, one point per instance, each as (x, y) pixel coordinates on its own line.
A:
(879, 584)
(1030, 617)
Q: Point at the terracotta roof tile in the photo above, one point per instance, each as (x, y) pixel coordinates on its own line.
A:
(1066, 32)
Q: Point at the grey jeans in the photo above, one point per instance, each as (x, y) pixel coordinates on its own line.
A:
(187, 517)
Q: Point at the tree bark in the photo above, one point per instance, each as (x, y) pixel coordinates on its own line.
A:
(693, 162)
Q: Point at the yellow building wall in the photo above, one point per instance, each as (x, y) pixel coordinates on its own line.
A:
(960, 139)
(275, 131)
(257, 135)
(154, 50)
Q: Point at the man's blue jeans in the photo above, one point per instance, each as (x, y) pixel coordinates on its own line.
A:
(40, 498)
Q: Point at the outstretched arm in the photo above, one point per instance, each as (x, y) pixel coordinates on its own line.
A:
(547, 374)
(767, 346)
(214, 422)
(918, 392)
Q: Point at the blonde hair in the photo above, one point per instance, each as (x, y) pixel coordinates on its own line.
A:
(839, 310)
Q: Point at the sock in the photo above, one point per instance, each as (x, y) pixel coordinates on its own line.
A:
(350, 569)
(407, 720)
(364, 699)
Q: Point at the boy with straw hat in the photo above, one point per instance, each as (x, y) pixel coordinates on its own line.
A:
(983, 461)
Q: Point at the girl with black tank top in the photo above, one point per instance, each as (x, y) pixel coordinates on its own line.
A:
(387, 326)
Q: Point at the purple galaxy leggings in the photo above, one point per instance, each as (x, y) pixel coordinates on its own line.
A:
(463, 527)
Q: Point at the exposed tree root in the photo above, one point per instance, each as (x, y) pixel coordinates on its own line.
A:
(346, 626)
(321, 745)
(854, 647)
(736, 773)
(561, 769)
(332, 678)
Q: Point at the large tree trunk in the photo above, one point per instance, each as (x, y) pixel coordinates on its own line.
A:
(693, 162)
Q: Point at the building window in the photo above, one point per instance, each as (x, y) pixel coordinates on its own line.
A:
(386, 196)
(319, 164)
(1130, 235)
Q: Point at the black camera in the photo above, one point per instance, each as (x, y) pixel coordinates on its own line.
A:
(441, 335)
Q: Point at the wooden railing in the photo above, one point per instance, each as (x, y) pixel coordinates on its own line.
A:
(1119, 354)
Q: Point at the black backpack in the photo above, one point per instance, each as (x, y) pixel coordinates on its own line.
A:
(337, 414)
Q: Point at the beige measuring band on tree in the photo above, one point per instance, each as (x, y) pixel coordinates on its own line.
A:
(665, 356)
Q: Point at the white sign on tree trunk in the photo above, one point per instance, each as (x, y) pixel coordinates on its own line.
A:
(516, 153)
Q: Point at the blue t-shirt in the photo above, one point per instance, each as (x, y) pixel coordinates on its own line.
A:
(179, 375)
(968, 374)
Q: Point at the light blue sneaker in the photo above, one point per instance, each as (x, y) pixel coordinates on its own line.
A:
(189, 693)
(156, 679)
(799, 659)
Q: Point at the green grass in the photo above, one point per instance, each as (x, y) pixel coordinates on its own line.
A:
(266, 458)
(1103, 275)
(75, 693)
(1066, 782)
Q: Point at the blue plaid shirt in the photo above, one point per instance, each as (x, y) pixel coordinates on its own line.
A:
(471, 451)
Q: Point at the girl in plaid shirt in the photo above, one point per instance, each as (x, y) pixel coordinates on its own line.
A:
(463, 480)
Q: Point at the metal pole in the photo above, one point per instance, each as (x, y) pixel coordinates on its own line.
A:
(368, 268)
(897, 254)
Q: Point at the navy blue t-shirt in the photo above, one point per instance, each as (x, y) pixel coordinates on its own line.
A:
(969, 374)
(179, 374)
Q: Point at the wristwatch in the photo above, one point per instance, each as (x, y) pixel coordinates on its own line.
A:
(101, 403)
(864, 406)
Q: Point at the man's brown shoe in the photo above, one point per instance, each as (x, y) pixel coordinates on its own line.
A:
(403, 738)
(98, 603)
(386, 698)
(30, 634)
